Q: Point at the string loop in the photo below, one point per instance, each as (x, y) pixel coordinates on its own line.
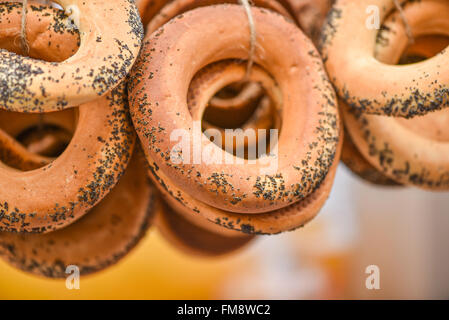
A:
(23, 36)
(408, 30)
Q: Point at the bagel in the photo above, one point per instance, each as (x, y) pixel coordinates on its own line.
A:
(375, 87)
(191, 209)
(108, 46)
(193, 239)
(177, 7)
(308, 141)
(286, 219)
(413, 151)
(53, 196)
(96, 241)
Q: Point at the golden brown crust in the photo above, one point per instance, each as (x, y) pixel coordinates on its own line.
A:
(371, 86)
(108, 47)
(191, 209)
(410, 151)
(49, 35)
(273, 222)
(96, 241)
(55, 195)
(299, 74)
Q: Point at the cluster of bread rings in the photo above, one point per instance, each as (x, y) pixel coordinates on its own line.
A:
(74, 187)
(395, 115)
(66, 137)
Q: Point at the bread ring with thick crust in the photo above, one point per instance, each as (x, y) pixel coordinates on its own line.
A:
(202, 87)
(410, 151)
(177, 7)
(308, 141)
(54, 196)
(372, 86)
(96, 241)
(194, 239)
(108, 48)
(286, 219)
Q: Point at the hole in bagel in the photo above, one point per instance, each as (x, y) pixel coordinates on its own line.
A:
(434, 124)
(258, 112)
(46, 135)
(425, 47)
(47, 140)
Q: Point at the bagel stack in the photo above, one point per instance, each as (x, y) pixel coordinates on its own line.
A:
(213, 121)
(66, 138)
(396, 115)
(174, 86)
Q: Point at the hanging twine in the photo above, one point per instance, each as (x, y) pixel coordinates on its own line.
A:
(23, 36)
(252, 27)
(408, 30)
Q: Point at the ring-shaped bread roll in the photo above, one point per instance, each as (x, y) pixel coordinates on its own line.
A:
(409, 151)
(202, 87)
(310, 132)
(372, 86)
(98, 240)
(286, 219)
(110, 39)
(53, 196)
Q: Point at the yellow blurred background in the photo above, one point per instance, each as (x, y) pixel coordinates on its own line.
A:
(404, 231)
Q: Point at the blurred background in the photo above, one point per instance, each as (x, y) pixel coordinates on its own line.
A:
(404, 231)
